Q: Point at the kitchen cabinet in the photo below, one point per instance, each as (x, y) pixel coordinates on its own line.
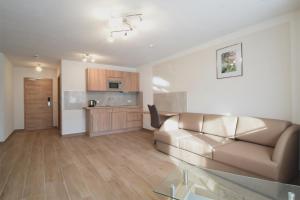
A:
(119, 120)
(131, 82)
(134, 124)
(108, 120)
(99, 120)
(114, 74)
(96, 79)
(134, 118)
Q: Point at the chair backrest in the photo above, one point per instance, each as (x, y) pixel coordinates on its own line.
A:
(155, 119)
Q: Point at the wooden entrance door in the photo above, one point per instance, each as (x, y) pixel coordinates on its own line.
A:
(38, 103)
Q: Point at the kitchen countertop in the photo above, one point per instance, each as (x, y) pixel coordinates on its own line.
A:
(99, 107)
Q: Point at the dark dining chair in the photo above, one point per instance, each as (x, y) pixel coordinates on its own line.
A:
(155, 118)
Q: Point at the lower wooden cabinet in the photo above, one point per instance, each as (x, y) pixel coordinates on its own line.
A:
(101, 121)
(134, 124)
(118, 120)
(134, 119)
(134, 116)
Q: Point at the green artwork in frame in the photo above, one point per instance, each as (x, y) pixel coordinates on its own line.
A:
(230, 61)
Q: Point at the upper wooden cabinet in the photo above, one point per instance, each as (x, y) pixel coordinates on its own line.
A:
(131, 82)
(114, 74)
(96, 79)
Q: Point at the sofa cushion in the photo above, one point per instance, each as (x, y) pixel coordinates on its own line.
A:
(247, 156)
(260, 131)
(191, 121)
(202, 144)
(220, 125)
(172, 137)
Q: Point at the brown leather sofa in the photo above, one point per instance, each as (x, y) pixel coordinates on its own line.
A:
(249, 146)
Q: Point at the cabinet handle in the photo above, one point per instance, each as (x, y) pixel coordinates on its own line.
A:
(49, 102)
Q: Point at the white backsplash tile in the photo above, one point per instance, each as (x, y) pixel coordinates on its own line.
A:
(113, 98)
(76, 100)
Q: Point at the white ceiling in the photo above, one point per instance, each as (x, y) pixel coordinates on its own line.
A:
(63, 29)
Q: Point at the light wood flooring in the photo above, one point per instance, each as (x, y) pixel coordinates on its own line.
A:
(43, 165)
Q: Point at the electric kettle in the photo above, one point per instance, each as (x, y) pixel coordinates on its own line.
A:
(92, 103)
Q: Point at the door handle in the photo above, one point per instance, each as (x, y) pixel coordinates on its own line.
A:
(49, 101)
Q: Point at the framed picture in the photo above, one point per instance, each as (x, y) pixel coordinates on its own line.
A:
(230, 61)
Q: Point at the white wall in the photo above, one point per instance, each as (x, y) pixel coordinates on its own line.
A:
(265, 89)
(146, 85)
(295, 44)
(73, 77)
(2, 106)
(19, 73)
(6, 98)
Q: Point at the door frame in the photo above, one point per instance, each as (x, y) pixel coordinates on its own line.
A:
(28, 78)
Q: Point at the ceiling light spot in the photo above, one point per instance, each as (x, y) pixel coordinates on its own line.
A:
(38, 68)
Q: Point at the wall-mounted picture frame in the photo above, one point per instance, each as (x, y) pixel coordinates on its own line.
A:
(230, 61)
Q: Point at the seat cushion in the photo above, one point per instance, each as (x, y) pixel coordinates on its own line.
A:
(260, 131)
(191, 121)
(247, 156)
(219, 125)
(172, 137)
(202, 144)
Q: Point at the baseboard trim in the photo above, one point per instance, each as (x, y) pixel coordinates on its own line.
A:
(18, 130)
(74, 134)
(13, 132)
(147, 130)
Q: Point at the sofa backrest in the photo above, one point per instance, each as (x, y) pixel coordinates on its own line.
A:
(220, 125)
(191, 121)
(250, 129)
(260, 131)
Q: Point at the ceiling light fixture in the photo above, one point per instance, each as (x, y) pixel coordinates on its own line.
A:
(122, 26)
(88, 58)
(38, 68)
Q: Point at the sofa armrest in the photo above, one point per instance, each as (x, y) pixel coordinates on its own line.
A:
(170, 124)
(285, 153)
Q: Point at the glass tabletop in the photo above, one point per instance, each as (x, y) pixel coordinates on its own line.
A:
(189, 182)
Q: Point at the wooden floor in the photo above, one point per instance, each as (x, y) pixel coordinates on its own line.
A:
(43, 165)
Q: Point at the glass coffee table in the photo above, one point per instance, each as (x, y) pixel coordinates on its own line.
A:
(189, 182)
